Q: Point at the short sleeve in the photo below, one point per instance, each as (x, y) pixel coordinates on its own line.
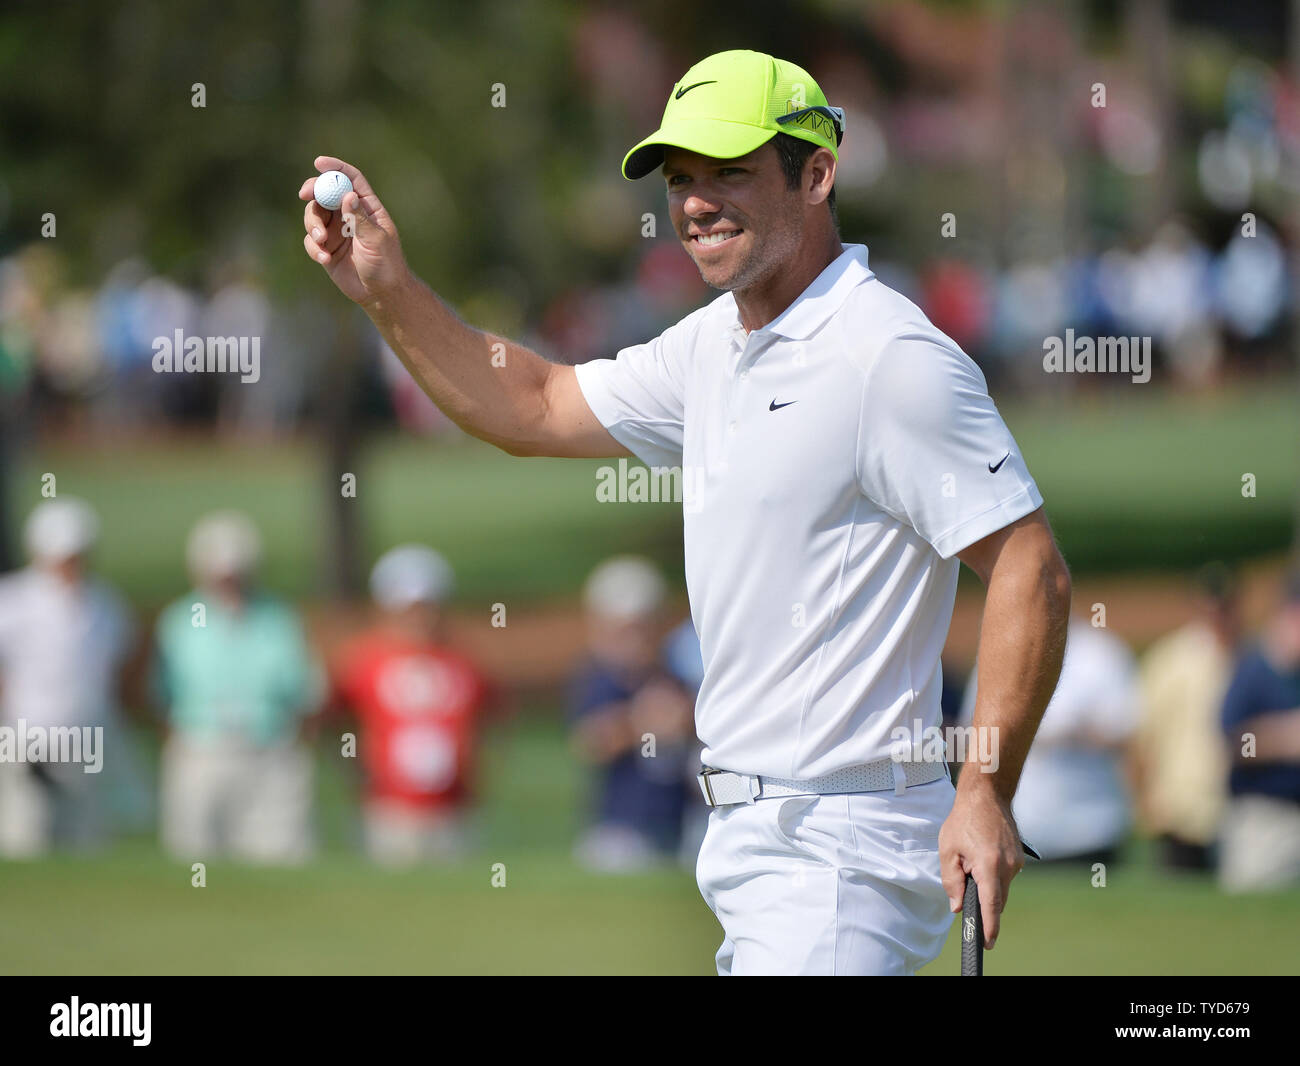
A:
(932, 448)
(639, 396)
(1242, 698)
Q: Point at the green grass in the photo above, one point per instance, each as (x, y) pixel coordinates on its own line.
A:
(1139, 481)
(132, 911)
(1154, 481)
(138, 914)
(523, 528)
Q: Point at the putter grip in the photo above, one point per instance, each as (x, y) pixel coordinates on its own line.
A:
(972, 932)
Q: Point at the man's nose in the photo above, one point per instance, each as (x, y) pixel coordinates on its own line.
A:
(696, 205)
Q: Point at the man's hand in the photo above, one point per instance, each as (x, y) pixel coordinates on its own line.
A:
(494, 389)
(979, 837)
(663, 709)
(357, 244)
(604, 734)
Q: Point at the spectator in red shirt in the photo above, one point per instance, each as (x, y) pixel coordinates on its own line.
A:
(417, 703)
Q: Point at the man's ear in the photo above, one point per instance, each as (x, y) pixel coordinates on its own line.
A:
(819, 175)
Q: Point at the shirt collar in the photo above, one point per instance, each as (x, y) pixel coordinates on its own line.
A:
(813, 307)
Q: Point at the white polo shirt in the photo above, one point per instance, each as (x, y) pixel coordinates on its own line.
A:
(834, 462)
(61, 648)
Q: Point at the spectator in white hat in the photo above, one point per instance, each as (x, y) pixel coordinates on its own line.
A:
(64, 637)
(632, 721)
(412, 576)
(238, 680)
(418, 704)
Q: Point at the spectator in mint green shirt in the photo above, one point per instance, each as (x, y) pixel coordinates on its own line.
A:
(237, 678)
(245, 673)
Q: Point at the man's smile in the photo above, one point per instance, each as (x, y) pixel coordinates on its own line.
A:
(712, 240)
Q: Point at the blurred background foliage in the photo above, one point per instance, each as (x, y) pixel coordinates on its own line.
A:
(1107, 220)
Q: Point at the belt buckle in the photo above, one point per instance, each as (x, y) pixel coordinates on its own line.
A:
(704, 775)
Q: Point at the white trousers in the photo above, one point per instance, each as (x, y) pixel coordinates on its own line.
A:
(62, 807)
(230, 799)
(396, 835)
(828, 885)
(1260, 844)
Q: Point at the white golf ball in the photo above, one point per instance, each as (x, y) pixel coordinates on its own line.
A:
(330, 188)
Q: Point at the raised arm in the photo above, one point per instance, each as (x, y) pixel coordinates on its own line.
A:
(494, 389)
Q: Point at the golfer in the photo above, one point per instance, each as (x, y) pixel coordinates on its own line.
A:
(842, 454)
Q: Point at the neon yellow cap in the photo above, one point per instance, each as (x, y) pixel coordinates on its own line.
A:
(730, 103)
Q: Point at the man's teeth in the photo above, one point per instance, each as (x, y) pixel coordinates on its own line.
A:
(717, 238)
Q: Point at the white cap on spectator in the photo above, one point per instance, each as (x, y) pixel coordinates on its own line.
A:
(60, 529)
(408, 575)
(223, 544)
(624, 588)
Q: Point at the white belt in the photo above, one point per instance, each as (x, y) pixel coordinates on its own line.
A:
(722, 788)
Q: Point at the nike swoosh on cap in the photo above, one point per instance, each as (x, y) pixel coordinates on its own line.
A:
(682, 92)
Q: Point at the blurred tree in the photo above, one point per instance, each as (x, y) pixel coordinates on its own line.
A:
(173, 132)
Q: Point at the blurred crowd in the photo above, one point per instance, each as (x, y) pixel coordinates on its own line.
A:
(240, 696)
(1017, 174)
(1195, 745)
(1207, 310)
(89, 355)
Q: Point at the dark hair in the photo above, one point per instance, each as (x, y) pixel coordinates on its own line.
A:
(794, 153)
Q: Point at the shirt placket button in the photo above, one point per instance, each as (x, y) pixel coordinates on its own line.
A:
(735, 399)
